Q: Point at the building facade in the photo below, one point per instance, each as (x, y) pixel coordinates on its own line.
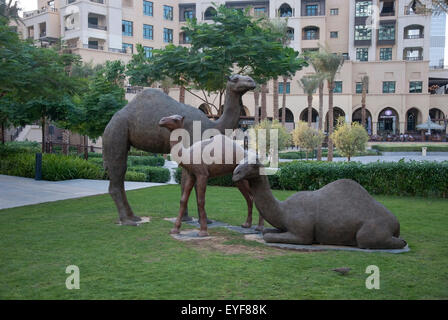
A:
(386, 40)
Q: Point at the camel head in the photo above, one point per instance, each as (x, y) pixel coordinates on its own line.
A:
(246, 171)
(172, 122)
(240, 84)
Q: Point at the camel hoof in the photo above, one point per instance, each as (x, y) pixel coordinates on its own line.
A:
(259, 228)
(128, 222)
(203, 234)
(135, 218)
(174, 231)
(246, 225)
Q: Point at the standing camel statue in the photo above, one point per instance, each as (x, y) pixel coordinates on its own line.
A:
(340, 213)
(137, 124)
(200, 172)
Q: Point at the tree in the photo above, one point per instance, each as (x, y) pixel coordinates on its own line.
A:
(309, 85)
(283, 135)
(329, 64)
(365, 85)
(306, 137)
(350, 138)
(10, 11)
(234, 43)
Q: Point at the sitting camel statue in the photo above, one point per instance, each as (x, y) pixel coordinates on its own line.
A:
(137, 124)
(201, 171)
(340, 213)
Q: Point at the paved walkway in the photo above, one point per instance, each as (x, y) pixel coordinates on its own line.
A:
(18, 191)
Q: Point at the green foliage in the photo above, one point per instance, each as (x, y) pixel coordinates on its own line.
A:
(307, 137)
(153, 174)
(54, 167)
(15, 147)
(135, 176)
(410, 148)
(153, 161)
(284, 138)
(350, 138)
(391, 178)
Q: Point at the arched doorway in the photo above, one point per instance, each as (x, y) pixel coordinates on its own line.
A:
(437, 116)
(413, 118)
(388, 121)
(337, 113)
(289, 118)
(314, 117)
(357, 117)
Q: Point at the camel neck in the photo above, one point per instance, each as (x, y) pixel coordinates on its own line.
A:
(266, 203)
(231, 115)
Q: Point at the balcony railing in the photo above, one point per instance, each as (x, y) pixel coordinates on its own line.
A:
(36, 12)
(95, 26)
(413, 36)
(93, 46)
(43, 34)
(117, 50)
(413, 58)
(98, 1)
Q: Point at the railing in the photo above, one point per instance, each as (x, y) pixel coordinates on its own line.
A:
(98, 1)
(413, 58)
(36, 12)
(413, 36)
(387, 14)
(92, 46)
(43, 34)
(117, 50)
(95, 26)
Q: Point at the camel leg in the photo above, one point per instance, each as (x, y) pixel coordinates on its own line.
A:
(285, 237)
(244, 188)
(375, 236)
(185, 216)
(115, 154)
(201, 186)
(189, 183)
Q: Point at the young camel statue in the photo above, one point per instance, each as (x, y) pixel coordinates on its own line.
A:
(200, 172)
(137, 125)
(340, 213)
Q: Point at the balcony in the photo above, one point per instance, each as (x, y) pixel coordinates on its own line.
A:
(419, 58)
(93, 46)
(37, 12)
(96, 26)
(97, 1)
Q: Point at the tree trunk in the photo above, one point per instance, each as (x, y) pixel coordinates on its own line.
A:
(257, 105)
(86, 147)
(3, 132)
(66, 142)
(321, 113)
(264, 90)
(363, 107)
(330, 120)
(182, 94)
(285, 80)
(310, 109)
(275, 98)
(43, 134)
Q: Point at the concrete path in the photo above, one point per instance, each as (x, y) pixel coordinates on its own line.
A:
(18, 191)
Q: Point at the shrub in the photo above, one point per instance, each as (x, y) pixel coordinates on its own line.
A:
(410, 148)
(15, 147)
(135, 176)
(54, 167)
(153, 174)
(152, 161)
(350, 138)
(307, 137)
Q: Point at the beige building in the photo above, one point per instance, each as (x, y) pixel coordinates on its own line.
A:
(383, 39)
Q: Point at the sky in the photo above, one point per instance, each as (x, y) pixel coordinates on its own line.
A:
(27, 5)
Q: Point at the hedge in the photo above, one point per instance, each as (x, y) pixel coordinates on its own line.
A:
(135, 176)
(15, 147)
(54, 167)
(415, 178)
(410, 148)
(153, 161)
(302, 155)
(153, 174)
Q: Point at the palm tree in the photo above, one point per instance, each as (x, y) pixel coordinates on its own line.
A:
(320, 78)
(264, 92)
(309, 85)
(10, 11)
(365, 85)
(329, 64)
(257, 104)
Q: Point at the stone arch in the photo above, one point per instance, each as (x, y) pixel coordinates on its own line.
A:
(285, 10)
(413, 31)
(314, 117)
(388, 121)
(209, 13)
(337, 112)
(413, 117)
(437, 116)
(357, 117)
(289, 118)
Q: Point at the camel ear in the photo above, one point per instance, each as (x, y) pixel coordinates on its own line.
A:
(182, 121)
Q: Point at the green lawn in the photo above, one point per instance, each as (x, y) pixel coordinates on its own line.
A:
(38, 242)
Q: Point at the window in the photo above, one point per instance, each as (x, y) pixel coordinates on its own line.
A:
(362, 54)
(260, 11)
(337, 87)
(290, 33)
(285, 10)
(188, 14)
(167, 35)
(209, 13)
(147, 8)
(385, 54)
(148, 52)
(363, 8)
(126, 46)
(168, 12)
(310, 33)
(359, 88)
(386, 32)
(388, 86)
(148, 32)
(312, 10)
(334, 12)
(415, 87)
(280, 87)
(387, 8)
(334, 34)
(363, 32)
(127, 28)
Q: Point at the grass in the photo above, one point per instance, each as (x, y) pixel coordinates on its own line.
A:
(38, 242)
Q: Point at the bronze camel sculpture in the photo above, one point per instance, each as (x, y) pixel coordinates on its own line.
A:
(201, 171)
(340, 213)
(137, 125)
